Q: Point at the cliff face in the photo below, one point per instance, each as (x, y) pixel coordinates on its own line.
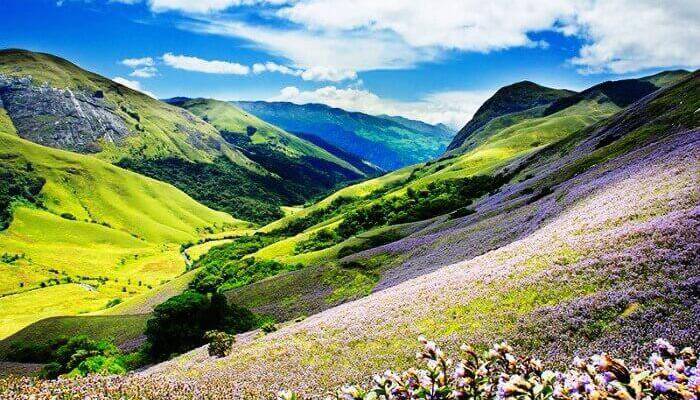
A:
(60, 118)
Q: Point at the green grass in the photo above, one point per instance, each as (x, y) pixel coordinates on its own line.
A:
(6, 124)
(117, 329)
(125, 236)
(225, 116)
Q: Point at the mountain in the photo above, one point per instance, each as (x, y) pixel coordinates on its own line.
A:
(302, 163)
(388, 142)
(53, 102)
(509, 99)
(524, 100)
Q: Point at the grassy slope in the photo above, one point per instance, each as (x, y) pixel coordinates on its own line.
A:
(614, 252)
(127, 228)
(161, 129)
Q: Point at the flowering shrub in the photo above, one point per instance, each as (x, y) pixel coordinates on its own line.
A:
(220, 343)
(500, 374)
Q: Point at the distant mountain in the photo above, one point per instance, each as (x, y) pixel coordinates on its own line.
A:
(508, 99)
(388, 142)
(296, 160)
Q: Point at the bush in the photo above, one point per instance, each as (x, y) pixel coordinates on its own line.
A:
(68, 216)
(78, 355)
(220, 343)
(268, 327)
(21, 351)
(180, 323)
(320, 240)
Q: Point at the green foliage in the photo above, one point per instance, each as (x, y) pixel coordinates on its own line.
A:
(319, 240)
(268, 327)
(180, 323)
(30, 352)
(80, 355)
(220, 343)
(17, 184)
(298, 225)
(222, 185)
(437, 198)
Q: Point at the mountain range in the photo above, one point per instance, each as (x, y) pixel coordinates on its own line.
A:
(565, 222)
(388, 142)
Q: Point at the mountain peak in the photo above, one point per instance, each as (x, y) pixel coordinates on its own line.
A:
(516, 97)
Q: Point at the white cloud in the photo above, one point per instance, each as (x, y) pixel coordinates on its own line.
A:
(196, 64)
(136, 85)
(452, 108)
(145, 72)
(197, 6)
(632, 35)
(356, 51)
(138, 62)
(310, 74)
(619, 35)
(142, 67)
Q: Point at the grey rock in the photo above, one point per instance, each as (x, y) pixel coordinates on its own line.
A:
(60, 118)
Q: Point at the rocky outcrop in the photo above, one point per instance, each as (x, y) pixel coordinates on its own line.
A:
(60, 118)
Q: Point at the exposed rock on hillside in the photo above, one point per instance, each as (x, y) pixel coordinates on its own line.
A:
(60, 118)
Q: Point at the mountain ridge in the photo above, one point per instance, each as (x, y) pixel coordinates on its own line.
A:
(389, 142)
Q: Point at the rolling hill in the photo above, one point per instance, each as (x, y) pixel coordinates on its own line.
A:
(388, 142)
(299, 162)
(502, 150)
(81, 232)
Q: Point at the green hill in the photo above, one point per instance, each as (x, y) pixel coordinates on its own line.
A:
(513, 98)
(85, 232)
(388, 142)
(303, 164)
(383, 210)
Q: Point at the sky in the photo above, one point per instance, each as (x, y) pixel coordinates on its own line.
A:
(431, 60)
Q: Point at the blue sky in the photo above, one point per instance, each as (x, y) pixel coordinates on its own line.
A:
(435, 61)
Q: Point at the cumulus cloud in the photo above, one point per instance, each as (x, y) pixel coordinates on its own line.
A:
(452, 108)
(138, 62)
(618, 35)
(196, 64)
(136, 85)
(142, 67)
(310, 74)
(631, 35)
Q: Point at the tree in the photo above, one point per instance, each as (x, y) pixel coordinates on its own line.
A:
(179, 324)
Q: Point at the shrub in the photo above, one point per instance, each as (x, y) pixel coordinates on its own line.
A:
(68, 216)
(500, 374)
(220, 343)
(268, 327)
(321, 239)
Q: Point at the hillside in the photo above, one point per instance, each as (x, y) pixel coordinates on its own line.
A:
(589, 246)
(302, 164)
(513, 98)
(83, 232)
(50, 101)
(388, 142)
